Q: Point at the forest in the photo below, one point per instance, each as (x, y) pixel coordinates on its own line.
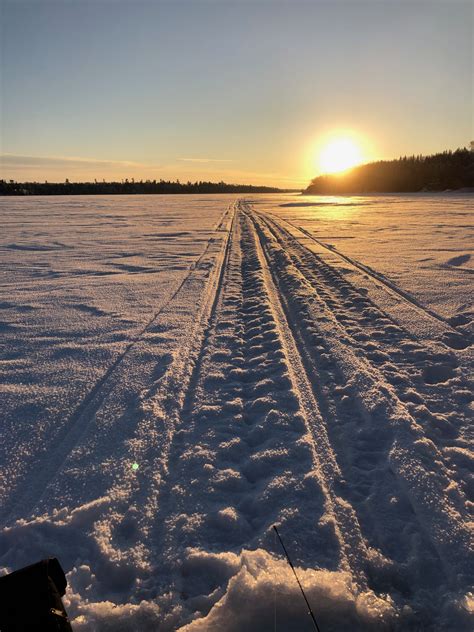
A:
(448, 170)
(125, 187)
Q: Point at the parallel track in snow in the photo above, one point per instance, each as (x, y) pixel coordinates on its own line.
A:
(336, 314)
(453, 337)
(389, 285)
(353, 437)
(32, 490)
(354, 547)
(362, 320)
(279, 351)
(286, 396)
(248, 385)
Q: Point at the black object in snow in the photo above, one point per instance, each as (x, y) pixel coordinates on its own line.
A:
(30, 599)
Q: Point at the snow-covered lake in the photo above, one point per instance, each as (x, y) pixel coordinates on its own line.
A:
(180, 373)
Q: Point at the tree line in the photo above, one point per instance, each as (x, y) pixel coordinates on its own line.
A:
(438, 172)
(11, 187)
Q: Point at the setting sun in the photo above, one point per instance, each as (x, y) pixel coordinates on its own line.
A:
(340, 154)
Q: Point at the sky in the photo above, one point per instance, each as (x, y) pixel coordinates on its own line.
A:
(243, 91)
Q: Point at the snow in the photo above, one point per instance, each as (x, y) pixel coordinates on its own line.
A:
(181, 373)
(396, 235)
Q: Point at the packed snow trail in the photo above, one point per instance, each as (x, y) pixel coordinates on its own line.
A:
(375, 275)
(270, 389)
(364, 387)
(246, 387)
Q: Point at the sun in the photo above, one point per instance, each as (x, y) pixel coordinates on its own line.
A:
(340, 154)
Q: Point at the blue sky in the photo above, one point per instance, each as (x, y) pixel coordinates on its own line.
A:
(237, 90)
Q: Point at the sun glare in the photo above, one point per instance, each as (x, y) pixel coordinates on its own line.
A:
(339, 154)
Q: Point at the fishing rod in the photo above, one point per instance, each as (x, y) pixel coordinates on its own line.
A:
(310, 612)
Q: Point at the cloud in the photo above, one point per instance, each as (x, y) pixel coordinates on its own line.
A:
(15, 161)
(57, 168)
(205, 160)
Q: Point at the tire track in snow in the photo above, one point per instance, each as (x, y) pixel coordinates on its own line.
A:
(323, 454)
(367, 484)
(251, 449)
(432, 383)
(452, 337)
(410, 455)
(220, 491)
(181, 447)
(364, 315)
(32, 490)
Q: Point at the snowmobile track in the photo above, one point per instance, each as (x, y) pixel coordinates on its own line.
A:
(452, 338)
(32, 490)
(264, 360)
(218, 419)
(317, 299)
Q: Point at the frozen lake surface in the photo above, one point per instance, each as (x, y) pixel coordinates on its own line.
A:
(180, 373)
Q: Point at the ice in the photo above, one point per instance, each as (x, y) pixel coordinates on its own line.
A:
(181, 373)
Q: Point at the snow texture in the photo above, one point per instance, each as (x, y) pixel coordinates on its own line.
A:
(181, 373)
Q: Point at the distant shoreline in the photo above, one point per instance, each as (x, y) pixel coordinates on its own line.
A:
(29, 195)
(12, 188)
(462, 191)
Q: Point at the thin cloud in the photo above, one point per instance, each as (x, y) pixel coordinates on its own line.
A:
(205, 160)
(25, 167)
(10, 161)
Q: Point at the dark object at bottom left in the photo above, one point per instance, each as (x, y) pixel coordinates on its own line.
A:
(30, 599)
